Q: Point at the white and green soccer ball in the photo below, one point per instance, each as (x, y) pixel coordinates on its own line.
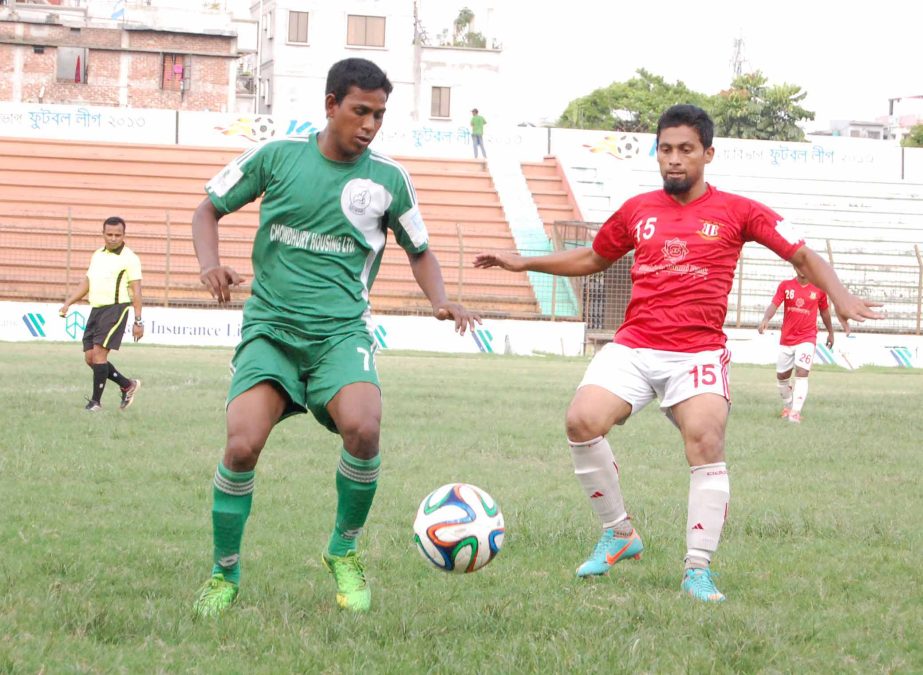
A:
(459, 528)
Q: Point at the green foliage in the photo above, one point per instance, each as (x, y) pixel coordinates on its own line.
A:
(105, 528)
(753, 109)
(462, 35)
(915, 138)
(749, 109)
(634, 105)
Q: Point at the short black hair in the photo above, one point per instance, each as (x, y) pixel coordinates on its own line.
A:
(356, 72)
(685, 115)
(113, 220)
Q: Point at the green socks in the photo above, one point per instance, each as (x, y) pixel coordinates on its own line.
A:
(233, 495)
(357, 480)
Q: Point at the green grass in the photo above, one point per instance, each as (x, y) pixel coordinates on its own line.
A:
(105, 528)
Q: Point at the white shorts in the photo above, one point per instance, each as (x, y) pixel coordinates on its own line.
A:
(637, 376)
(797, 356)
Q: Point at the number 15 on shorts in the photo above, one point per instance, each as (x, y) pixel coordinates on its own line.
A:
(708, 378)
(704, 375)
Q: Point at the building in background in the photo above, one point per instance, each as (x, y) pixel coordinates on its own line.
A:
(142, 53)
(438, 73)
(857, 129)
(254, 56)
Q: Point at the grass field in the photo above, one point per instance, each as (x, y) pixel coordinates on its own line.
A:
(105, 530)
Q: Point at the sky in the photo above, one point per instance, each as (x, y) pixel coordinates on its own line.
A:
(849, 56)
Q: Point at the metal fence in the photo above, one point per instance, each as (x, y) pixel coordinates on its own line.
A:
(881, 271)
(45, 263)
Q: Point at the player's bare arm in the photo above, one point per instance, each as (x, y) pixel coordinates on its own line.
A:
(847, 305)
(137, 328)
(428, 275)
(78, 294)
(217, 278)
(576, 262)
(767, 315)
(828, 324)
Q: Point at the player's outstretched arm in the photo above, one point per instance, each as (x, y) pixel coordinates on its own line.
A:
(847, 305)
(428, 275)
(577, 262)
(217, 278)
(767, 315)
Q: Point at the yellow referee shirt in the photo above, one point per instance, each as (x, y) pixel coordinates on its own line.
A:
(109, 274)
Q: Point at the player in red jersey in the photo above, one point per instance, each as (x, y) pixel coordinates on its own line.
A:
(687, 238)
(802, 301)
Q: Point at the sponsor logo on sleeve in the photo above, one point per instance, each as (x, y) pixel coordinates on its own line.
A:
(789, 232)
(227, 178)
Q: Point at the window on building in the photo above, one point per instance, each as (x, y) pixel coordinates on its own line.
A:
(441, 103)
(72, 64)
(175, 72)
(298, 27)
(365, 31)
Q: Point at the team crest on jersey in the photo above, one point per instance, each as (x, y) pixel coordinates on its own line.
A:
(709, 230)
(813, 295)
(359, 201)
(674, 250)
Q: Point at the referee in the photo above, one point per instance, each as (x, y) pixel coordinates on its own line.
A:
(113, 281)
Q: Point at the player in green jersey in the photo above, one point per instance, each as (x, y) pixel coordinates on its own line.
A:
(327, 204)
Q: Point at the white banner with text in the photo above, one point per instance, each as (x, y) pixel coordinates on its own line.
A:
(34, 321)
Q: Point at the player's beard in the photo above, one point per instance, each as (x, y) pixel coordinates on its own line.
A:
(674, 186)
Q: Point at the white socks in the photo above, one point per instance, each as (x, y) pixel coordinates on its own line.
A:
(785, 391)
(799, 393)
(595, 467)
(709, 494)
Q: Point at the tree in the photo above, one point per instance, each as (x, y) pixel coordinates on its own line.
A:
(915, 138)
(462, 35)
(753, 109)
(634, 105)
(750, 108)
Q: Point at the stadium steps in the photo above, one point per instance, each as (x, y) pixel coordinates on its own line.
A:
(50, 187)
(551, 193)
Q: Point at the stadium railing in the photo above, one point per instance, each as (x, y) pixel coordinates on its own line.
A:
(44, 263)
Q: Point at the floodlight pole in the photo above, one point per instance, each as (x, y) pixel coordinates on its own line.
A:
(259, 58)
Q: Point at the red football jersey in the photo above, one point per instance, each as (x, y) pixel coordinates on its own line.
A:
(685, 257)
(799, 324)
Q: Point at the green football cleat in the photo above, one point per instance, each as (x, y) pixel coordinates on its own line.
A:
(699, 584)
(215, 596)
(352, 589)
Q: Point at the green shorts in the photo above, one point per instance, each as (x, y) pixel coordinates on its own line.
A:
(310, 371)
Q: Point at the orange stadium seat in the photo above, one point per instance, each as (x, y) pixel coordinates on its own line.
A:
(54, 196)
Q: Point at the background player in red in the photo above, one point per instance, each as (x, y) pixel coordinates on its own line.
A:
(802, 301)
(687, 238)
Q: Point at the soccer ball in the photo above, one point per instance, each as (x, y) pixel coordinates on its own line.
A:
(262, 128)
(458, 528)
(627, 146)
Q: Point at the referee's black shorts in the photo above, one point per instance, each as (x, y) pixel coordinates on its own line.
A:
(106, 326)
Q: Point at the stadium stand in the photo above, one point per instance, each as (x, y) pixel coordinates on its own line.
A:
(551, 193)
(54, 196)
(870, 230)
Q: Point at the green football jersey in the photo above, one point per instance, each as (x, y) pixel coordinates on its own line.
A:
(322, 233)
